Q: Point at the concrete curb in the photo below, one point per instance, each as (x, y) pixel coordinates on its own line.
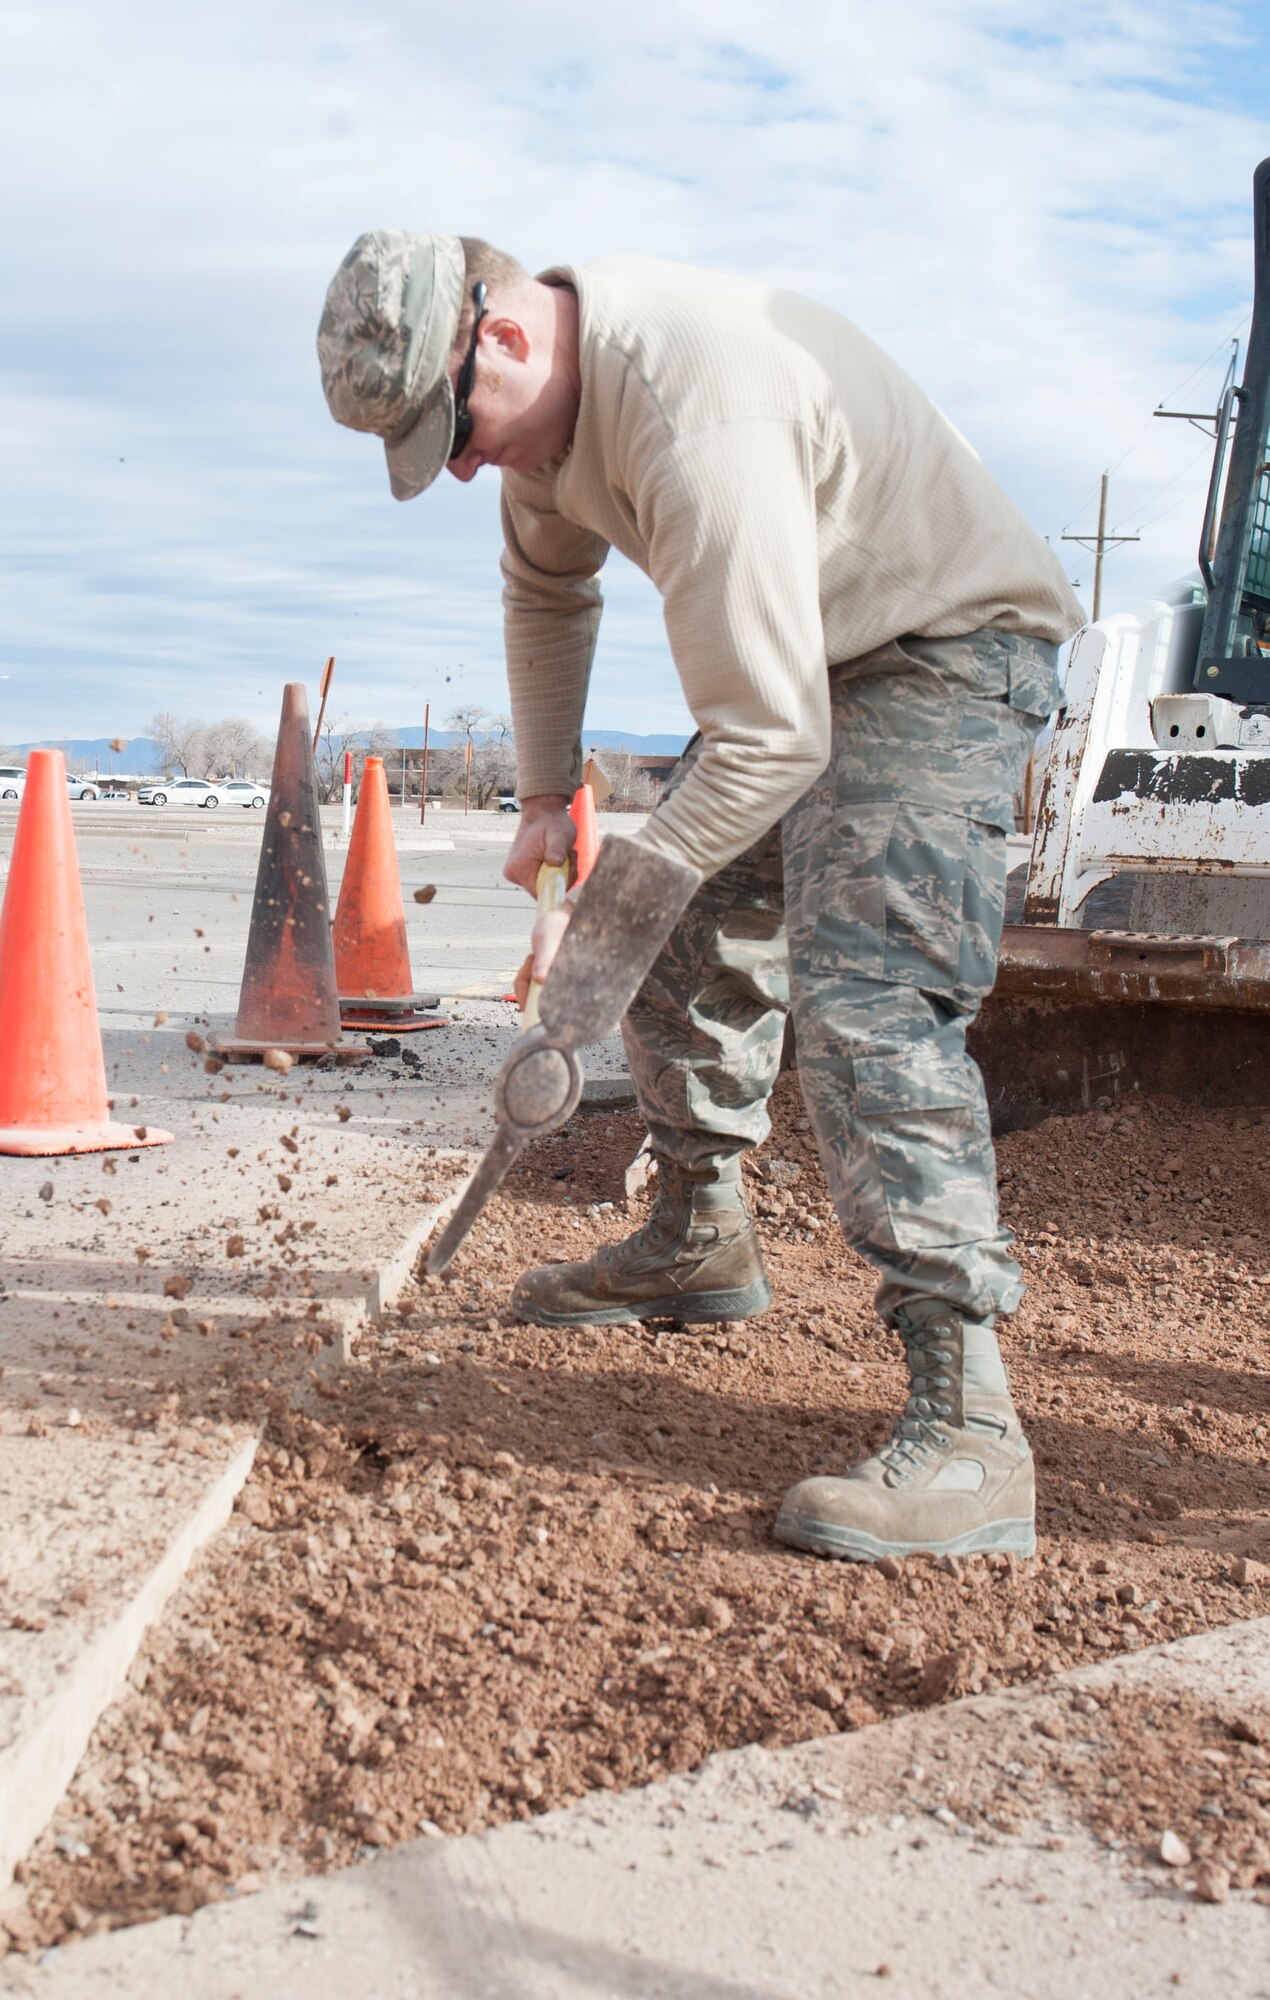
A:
(336, 842)
(347, 1315)
(36, 1769)
(396, 1270)
(752, 1878)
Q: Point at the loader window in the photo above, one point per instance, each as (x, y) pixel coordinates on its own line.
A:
(1257, 578)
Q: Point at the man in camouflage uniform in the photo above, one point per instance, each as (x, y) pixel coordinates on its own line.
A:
(847, 801)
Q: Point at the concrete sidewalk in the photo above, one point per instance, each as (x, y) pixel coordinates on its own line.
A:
(123, 1440)
(141, 1298)
(151, 1302)
(810, 1872)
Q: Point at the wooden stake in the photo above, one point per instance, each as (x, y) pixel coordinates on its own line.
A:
(324, 688)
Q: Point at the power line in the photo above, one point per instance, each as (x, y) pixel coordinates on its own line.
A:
(1173, 505)
(1199, 420)
(1136, 441)
(1180, 474)
(1208, 359)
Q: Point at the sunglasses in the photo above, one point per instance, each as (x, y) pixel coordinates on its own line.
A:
(467, 379)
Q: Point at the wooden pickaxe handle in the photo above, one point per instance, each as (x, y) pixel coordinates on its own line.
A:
(553, 886)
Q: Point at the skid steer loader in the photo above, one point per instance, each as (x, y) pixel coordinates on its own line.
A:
(1157, 790)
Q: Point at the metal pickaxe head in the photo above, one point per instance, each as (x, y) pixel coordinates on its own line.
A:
(624, 914)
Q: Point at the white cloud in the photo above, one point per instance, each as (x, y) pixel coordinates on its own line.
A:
(1044, 214)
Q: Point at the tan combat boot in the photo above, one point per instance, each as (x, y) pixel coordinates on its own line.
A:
(956, 1477)
(696, 1258)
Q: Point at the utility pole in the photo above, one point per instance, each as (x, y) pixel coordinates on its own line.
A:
(1102, 540)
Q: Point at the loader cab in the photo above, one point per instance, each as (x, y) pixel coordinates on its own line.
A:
(1234, 654)
(1158, 778)
(1142, 963)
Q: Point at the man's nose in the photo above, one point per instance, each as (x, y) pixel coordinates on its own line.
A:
(465, 466)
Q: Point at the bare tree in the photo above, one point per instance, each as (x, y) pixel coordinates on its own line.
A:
(445, 770)
(180, 742)
(230, 748)
(633, 789)
(344, 735)
(234, 748)
(493, 752)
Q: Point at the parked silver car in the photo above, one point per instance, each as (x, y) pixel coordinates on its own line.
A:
(181, 792)
(83, 788)
(245, 792)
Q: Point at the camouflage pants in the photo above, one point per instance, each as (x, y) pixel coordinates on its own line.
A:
(873, 910)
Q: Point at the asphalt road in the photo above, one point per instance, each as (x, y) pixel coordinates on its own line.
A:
(168, 894)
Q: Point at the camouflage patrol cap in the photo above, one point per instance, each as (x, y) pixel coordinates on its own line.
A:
(387, 329)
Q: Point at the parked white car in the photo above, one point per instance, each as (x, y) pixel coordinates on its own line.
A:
(12, 781)
(83, 788)
(245, 792)
(181, 792)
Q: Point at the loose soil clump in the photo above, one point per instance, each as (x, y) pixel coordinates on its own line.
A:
(485, 1567)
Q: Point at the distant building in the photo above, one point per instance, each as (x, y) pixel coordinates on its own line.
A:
(656, 768)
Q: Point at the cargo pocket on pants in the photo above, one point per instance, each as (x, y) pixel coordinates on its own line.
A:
(1036, 688)
(924, 1116)
(924, 887)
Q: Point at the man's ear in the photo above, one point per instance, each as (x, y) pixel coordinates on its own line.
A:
(509, 337)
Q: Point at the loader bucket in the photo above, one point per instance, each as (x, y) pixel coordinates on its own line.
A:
(1079, 1020)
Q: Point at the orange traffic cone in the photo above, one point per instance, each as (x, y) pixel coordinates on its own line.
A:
(586, 847)
(288, 999)
(52, 1071)
(372, 958)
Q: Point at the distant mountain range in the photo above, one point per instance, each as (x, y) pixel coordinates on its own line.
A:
(141, 755)
(592, 739)
(86, 754)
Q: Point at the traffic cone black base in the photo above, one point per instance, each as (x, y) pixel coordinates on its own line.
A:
(230, 1049)
(401, 1016)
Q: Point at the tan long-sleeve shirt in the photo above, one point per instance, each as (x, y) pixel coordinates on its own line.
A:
(796, 500)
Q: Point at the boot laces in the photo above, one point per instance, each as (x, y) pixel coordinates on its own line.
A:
(670, 1224)
(659, 1232)
(920, 1431)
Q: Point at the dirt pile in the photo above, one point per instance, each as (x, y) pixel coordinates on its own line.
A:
(488, 1567)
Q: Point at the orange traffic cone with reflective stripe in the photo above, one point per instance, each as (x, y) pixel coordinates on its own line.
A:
(586, 846)
(52, 1070)
(372, 957)
(288, 999)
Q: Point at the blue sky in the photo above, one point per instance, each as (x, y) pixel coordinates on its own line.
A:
(1043, 213)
